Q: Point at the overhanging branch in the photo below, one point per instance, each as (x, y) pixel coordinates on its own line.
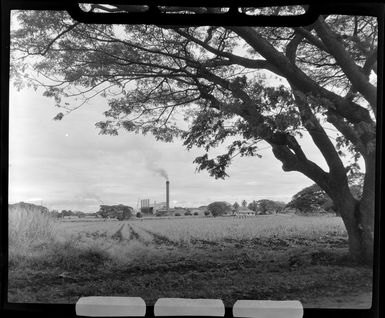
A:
(347, 109)
(231, 58)
(291, 162)
(319, 136)
(353, 72)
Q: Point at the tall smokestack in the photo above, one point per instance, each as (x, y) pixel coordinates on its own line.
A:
(167, 195)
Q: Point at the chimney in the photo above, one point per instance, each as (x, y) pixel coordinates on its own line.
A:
(167, 195)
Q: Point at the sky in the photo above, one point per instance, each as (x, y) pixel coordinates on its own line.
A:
(68, 165)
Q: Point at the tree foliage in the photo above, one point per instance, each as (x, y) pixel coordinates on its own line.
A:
(253, 206)
(120, 211)
(67, 213)
(265, 206)
(147, 73)
(219, 208)
(309, 200)
(313, 199)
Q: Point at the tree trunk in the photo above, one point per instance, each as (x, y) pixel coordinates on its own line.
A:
(358, 219)
(357, 215)
(367, 208)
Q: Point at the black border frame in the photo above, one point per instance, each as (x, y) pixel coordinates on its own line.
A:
(368, 7)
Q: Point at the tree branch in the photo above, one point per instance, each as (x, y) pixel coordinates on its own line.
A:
(347, 109)
(319, 136)
(349, 132)
(291, 48)
(311, 38)
(291, 162)
(371, 63)
(232, 58)
(353, 72)
(57, 37)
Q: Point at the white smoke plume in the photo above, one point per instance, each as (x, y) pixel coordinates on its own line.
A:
(159, 171)
(163, 173)
(152, 166)
(151, 158)
(88, 195)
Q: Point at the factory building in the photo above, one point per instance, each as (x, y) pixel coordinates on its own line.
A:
(146, 208)
(158, 209)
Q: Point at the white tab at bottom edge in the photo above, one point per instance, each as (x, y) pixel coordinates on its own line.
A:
(101, 306)
(268, 309)
(189, 307)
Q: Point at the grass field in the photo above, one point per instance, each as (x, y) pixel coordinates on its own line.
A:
(262, 257)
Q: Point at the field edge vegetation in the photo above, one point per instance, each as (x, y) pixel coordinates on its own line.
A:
(302, 257)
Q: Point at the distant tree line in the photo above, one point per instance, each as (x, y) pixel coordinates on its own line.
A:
(70, 213)
(120, 211)
(264, 206)
(309, 201)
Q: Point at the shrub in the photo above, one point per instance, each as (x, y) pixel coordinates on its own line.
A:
(139, 215)
(253, 206)
(187, 213)
(120, 211)
(177, 214)
(196, 213)
(207, 213)
(314, 200)
(73, 255)
(268, 206)
(328, 206)
(219, 208)
(289, 210)
(308, 198)
(28, 227)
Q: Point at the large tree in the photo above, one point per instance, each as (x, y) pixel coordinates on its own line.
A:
(210, 85)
